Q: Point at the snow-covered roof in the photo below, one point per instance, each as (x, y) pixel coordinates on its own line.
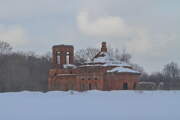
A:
(119, 64)
(123, 70)
(89, 65)
(107, 64)
(107, 60)
(103, 57)
(69, 66)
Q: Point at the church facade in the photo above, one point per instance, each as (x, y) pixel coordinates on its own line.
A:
(103, 72)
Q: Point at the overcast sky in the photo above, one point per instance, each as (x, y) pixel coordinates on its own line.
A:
(148, 29)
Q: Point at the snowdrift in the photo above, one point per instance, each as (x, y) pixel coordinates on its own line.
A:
(91, 105)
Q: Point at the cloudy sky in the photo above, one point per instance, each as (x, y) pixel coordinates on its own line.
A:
(148, 29)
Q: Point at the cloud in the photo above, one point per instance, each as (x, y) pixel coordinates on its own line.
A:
(102, 26)
(136, 39)
(150, 35)
(140, 42)
(26, 9)
(14, 34)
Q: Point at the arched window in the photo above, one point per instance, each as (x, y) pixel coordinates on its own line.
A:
(134, 86)
(58, 57)
(82, 87)
(95, 85)
(67, 57)
(90, 87)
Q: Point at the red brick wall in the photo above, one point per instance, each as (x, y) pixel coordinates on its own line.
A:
(63, 77)
(115, 81)
(90, 77)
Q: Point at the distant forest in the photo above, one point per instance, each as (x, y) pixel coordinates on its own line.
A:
(27, 71)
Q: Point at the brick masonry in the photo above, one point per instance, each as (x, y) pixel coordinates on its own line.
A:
(86, 77)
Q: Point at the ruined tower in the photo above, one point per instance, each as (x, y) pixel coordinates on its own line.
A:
(103, 47)
(62, 54)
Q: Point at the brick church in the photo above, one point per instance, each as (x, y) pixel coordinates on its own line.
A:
(103, 72)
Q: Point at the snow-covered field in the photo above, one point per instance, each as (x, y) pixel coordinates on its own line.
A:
(91, 105)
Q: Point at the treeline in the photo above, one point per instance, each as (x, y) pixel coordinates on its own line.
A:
(28, 71)
(168, 78)
(22, 71)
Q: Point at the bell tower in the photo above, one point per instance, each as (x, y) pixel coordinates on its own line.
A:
(62, 54)
(103, 47)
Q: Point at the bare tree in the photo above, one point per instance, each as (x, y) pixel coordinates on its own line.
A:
(114, 53)
(83, 55)
(171, 73)
(171, 70)
(125, 56)
(5, 47)
(138, 68)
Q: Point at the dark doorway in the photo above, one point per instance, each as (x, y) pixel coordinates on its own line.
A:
(134, 86)
(125, 86)
(90, 87)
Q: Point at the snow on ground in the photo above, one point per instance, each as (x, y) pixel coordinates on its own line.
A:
(91, 105)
